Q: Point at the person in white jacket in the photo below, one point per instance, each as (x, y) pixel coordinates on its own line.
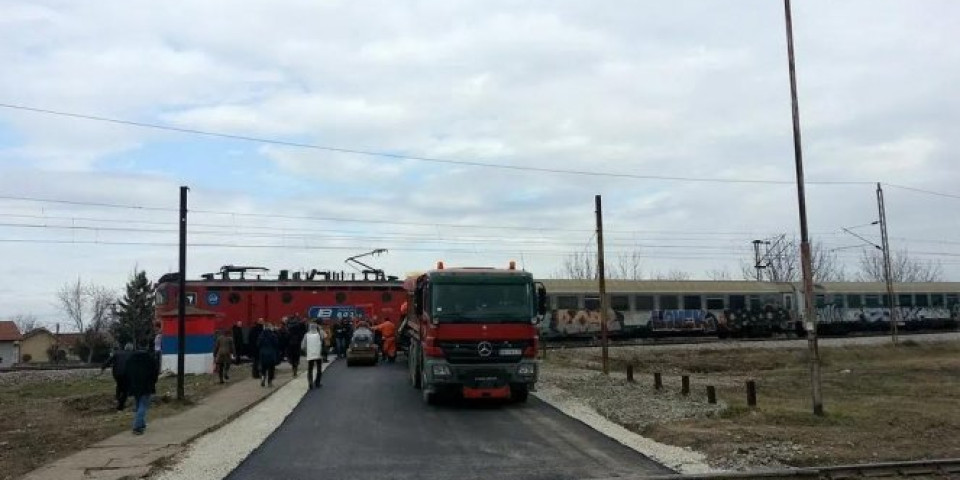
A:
(312, 347)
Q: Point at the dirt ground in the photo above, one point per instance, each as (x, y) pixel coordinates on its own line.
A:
(882, 403)
(44, 419)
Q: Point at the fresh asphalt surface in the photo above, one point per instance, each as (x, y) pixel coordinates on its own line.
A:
(369, 423)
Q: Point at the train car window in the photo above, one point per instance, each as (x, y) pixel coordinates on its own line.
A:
(952, 299)
(854, 301)
(755, 302)
(567, 302)
(936, 300)
(692, 302)
(788, 302)
(921, 300)
(591, 303)
(821, 301)
(906, 300)
(871, 301)
(643, 302)
(738, 302)
(669, 302)
(885, 299)
(715, 303)
(161, 298)
(620, 302)
(837, 301)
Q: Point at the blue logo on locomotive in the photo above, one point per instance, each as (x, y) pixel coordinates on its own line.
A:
(213, 299)
(334, 312)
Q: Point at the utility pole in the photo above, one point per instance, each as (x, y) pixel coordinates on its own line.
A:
(182, 297)
(809, 313)
(603, 287)
(887, 274)
(756, 259)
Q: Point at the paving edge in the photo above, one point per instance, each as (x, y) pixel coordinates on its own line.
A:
(678, 459)
(161, 463)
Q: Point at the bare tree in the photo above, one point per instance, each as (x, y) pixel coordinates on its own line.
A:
(26, 321)
(720, 274)
(579, 266)
(674, 274)
(628, 266)
(781, 263)
(903, 268)
(88, 307)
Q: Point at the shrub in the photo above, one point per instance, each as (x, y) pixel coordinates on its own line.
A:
(26, 358)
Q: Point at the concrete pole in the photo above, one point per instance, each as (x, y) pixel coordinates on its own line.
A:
(887, 274)
(603, 287)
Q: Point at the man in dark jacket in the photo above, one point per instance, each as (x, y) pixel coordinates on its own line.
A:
(253, 347)
(237, 342)
(118, 362)
(296, 329)
(141, 374)
(269, 354)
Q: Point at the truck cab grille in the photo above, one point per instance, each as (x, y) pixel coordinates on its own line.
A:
(469, 351)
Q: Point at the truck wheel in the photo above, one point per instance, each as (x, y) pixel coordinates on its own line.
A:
(519, 393)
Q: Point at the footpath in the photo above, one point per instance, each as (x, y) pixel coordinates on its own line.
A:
(133, 456)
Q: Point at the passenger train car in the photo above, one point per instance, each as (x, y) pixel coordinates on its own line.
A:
(742, 308)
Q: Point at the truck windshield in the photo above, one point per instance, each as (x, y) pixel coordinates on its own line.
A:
(464, 303)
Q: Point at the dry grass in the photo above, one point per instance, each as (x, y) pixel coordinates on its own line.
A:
(882, 403)
(44, 421)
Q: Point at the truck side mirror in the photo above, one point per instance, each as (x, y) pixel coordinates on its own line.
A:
(541, 299)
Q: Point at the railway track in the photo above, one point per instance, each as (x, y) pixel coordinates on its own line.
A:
(933, 469)
(613, 343)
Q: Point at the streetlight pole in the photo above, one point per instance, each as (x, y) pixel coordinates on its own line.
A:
(892, 304)
(809, 313)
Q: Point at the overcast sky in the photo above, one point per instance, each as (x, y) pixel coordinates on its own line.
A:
(694, 89)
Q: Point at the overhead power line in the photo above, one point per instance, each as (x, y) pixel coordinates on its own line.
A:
(420, 158)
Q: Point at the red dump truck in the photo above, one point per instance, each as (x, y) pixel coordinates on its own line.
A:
(472, 332)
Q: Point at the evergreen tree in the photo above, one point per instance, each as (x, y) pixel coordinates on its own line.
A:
(136, 312)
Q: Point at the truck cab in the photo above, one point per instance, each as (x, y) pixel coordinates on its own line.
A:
(473, 332)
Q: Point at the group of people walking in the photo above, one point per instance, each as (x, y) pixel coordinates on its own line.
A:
(135, 373)
(268, 345)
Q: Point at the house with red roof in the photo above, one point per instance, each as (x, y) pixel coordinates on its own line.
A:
(9, 343)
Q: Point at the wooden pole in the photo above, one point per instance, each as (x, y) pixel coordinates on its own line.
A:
(657, 381)
(630, 373)
(685, 385)
(711, 394)
(751, 393)
(603, 287)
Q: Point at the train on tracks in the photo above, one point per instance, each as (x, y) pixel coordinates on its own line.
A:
(643, 308)
(649, 308)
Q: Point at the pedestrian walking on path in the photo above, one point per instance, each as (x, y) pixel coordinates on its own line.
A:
(118, 363)
(312, 346)
(253, 344)
(269, 354)
(237, 342)
(223, 355)
(296, 330)
(343, 331)
(141, 373)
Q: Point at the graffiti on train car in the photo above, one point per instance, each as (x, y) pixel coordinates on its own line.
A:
(832, 313)
(682, 320)
(578, 322)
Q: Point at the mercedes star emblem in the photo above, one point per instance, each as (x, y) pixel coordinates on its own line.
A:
(485, 349)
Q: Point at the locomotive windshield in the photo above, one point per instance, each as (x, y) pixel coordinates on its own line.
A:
(486, 302)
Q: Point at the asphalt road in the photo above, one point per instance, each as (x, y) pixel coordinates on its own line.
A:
(369, 423)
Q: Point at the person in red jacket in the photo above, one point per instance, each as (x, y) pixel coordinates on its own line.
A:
(389, 332)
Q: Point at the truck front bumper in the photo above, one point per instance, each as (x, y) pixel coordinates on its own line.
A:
(439, 372)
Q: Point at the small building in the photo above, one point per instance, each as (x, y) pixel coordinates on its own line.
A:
(10, 338)
(37, 344)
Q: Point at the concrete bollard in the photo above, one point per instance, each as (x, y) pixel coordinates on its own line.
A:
(685, 385)
(630, 373)
(751, 393)
(711, 394)
(657, 382)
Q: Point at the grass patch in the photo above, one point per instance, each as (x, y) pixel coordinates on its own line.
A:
(46, 420)
(883, 403)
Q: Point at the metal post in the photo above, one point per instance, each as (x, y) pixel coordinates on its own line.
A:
(182, 297)
(887, 274)
(810, 314)
(751, 393)
(657, 381)
(711, 394)
(603, 286)
(685, 385)
(756, 259)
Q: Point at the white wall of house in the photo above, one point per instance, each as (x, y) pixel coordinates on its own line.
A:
(9, 353)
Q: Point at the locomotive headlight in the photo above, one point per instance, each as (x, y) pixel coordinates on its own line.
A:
(441, 371)
(527, 369)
